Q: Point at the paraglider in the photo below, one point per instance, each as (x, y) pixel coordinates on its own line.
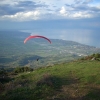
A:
(37, 59)
(36, 36)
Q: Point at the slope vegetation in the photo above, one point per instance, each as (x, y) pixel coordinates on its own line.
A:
(76, 80)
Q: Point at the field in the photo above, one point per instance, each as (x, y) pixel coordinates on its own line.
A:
(75, 80)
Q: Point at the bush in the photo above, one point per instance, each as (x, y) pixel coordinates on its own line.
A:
(22, 69)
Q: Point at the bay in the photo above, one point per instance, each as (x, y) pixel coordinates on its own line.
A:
(84, 36)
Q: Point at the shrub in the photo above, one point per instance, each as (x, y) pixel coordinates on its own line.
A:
(22, 69)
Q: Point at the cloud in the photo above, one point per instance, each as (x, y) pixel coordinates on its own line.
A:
(81, 15)
(87, 1)
(83, 9)
(63, 10)
(47, 9)
(75, 13)
(29, 5)
(19, 6)
(82, 1)
(8, 9)
(23, 16)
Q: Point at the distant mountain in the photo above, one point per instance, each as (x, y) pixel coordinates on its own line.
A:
(13, 52)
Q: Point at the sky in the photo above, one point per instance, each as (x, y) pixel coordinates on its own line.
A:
(75, 20)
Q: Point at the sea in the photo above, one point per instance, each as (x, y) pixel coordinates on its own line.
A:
(87, 37)
(81, 36)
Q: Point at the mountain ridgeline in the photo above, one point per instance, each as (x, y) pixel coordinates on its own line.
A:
(13, 51)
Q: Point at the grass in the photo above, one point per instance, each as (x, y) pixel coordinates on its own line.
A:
(77, 80)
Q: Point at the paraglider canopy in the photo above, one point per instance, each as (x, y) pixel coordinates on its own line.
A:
(36, 36)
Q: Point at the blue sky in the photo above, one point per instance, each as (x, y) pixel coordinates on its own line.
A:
(77, 20)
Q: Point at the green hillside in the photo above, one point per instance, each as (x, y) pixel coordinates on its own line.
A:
(76, 80)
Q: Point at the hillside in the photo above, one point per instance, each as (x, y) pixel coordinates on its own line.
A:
(13, 52)
(76, 80)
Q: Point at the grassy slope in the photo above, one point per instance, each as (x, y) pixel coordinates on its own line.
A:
(79, 80)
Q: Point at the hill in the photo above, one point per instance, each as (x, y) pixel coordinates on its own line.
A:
(76, 80)
(13, 52)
